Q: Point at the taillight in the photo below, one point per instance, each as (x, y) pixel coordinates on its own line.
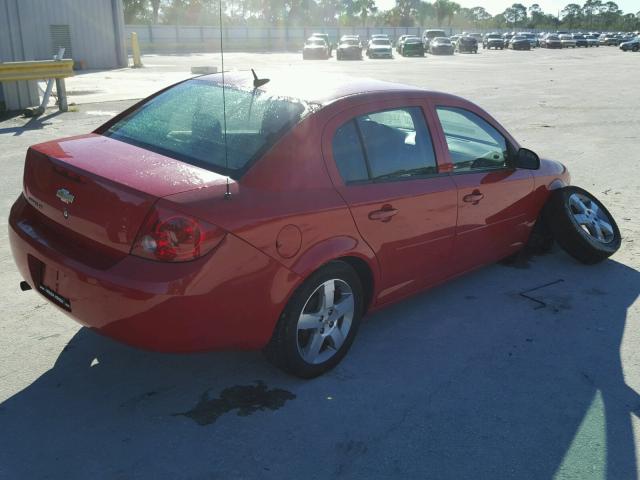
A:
(174, 237)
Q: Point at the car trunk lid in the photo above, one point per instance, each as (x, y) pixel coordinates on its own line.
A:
(102, 189)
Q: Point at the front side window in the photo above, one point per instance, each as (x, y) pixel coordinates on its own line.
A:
(473, 143)
(385, 145)
(186, 122)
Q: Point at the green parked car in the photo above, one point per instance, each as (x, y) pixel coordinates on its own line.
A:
(412, 46)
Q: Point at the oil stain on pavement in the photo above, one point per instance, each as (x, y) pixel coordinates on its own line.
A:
(247, 399)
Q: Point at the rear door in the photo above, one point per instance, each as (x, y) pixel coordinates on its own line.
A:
(383, 163)
(494, 199)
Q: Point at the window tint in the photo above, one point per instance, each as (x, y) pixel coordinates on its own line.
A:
(473, 143)
(347, 152)
(397, 143)
(384, 145)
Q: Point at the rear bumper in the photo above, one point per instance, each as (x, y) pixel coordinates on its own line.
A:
(442, 51)
(412, 52)
(230, 298)
(312, 53)
(380, 54)
(356, 54)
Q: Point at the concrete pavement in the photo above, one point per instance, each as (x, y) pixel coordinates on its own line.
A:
(468, 380)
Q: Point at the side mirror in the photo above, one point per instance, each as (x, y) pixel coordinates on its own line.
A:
(527, 159)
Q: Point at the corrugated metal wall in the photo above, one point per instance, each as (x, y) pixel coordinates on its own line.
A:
(96, 30)
(15, 95)
(92, 23)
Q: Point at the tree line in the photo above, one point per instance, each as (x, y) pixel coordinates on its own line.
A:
(593, 15)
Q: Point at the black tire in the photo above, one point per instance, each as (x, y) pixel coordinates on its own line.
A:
(572, 237)
(283, 350)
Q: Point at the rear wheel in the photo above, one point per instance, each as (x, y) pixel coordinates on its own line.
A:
(320, 322)
(582, 225)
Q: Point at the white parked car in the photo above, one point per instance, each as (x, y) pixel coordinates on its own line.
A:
(567, 41)
(380, 48)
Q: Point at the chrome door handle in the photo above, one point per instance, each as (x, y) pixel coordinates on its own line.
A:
(384, 214)
(473, 198)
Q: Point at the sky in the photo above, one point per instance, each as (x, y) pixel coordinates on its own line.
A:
(498, 6)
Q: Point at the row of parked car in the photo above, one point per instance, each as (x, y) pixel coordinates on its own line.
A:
(436, 42)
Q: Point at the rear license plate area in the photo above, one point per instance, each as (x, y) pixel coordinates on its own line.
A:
(55, 297)
(48, 281)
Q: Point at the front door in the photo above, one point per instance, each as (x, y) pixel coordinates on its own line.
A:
(493, 197)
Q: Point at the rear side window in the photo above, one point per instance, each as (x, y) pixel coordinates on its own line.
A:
(385, 145)
(347, 152)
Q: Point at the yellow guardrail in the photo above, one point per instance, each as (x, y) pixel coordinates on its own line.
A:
(35, 70)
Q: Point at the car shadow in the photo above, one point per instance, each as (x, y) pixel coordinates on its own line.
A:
(473, 379)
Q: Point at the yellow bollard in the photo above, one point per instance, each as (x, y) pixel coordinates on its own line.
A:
(135, 50)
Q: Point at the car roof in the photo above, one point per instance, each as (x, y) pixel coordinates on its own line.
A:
(311, 89)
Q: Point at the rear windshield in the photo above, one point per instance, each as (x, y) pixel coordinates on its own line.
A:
(380, 41)
(186, 122)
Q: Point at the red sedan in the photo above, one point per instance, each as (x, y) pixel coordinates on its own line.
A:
(177, 227)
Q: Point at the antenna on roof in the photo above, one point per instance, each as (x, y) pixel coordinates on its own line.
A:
(258, 82)
(227, 194)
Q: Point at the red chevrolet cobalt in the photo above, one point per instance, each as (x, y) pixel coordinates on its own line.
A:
(273, 214)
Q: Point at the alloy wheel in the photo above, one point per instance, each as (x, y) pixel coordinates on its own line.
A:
(325, 321)
(592, 220)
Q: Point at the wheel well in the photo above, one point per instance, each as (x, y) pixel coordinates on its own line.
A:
(365, 274)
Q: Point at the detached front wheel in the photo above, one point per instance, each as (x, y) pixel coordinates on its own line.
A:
(582, 225)
(319, 324)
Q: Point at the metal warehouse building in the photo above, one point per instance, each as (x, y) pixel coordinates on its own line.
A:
(92, 32)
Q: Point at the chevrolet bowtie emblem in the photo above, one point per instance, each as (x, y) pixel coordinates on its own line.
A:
(65, 196)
